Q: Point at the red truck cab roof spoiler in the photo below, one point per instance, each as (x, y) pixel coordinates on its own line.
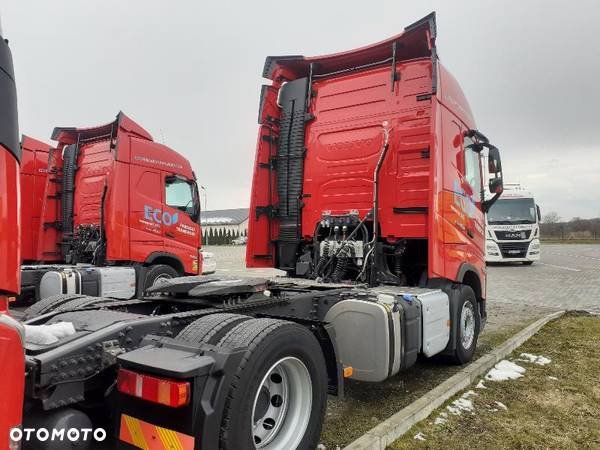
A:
(416, 41)
(72, 135)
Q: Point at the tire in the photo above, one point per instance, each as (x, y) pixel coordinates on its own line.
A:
(527, 263)
(210, 329)
(63, 418)
(47, 305)
(82, 302)
(159, 271)
(281, 358)
(466, 342)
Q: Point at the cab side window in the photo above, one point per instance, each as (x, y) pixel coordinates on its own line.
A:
(179, 195)
(472, 169)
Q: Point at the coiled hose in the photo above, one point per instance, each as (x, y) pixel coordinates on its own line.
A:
(322, 260)
(341, 265)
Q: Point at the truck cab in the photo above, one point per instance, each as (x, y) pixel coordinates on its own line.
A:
(113, 201)
(513, 227)
(369, 168)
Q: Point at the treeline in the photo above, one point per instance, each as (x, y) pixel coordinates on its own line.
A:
(220, 236)
(552, 227)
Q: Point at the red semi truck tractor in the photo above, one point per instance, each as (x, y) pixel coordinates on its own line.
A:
(107, 212)
(368, 184)
(11, 331)
(368, 168)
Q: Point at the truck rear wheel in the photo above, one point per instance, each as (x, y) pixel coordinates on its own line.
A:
(210, 329)
(469, 324)
(278, 396)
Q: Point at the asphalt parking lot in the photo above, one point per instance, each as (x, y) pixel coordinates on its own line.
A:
(567, 277)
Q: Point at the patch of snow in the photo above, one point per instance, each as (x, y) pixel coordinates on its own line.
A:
(48, 334)
(501, 405)
(534, 359)
(321, 447)
(469, 393)
(505, 370)
(419, 436)
(553, 378)
(441, 419)
(480, 385)
(463, 404)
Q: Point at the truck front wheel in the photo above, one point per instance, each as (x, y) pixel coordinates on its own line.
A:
(468, 326)
(156, 274)
(278, 397)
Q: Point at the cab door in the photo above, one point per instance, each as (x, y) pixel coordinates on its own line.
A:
(473, 192)
(145, 207)
(180, 220)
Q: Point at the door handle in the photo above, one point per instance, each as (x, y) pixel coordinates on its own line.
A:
(470, 233)
(169, 234)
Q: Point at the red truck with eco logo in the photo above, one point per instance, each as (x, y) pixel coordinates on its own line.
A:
(106, 212)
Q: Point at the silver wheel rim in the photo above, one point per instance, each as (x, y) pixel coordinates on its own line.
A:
(467, 325)
(282, 406)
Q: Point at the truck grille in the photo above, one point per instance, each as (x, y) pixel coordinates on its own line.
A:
(513, 249)
(512, 235)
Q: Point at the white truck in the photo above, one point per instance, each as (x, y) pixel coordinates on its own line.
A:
(513, 229)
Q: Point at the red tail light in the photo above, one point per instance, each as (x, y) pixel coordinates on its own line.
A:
(153, 389)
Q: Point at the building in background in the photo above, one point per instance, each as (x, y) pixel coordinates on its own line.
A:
(221, 227)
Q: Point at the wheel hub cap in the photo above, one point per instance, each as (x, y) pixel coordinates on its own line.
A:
(467, 325)
(282, 406)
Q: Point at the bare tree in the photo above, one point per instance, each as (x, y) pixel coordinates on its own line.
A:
(551, 218)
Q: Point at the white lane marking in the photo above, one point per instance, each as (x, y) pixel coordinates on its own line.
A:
(561, 267)
(572, 256)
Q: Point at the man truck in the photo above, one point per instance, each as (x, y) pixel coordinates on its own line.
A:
(107, 212)
(11, 331)
(513, 227)
(368, 190)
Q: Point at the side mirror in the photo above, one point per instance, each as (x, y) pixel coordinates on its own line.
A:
(496, 185)
(494, 163)
(539, 213)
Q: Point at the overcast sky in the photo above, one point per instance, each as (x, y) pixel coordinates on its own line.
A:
(189, 72)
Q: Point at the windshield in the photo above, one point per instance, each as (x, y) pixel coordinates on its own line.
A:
(512, 211)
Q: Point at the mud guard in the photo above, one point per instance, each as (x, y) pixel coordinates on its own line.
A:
(209, 370)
